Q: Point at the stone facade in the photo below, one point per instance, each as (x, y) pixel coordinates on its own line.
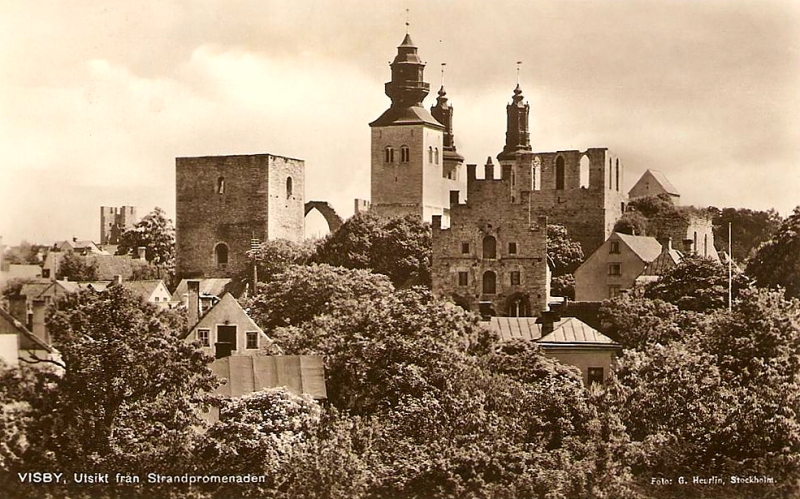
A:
(493, 258)
(224, 202)
(114, 221)
(690, 230)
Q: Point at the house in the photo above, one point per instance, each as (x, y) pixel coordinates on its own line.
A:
(153, 291)
(654, 183)
(614, 266)
(568, 340)
(211, 290)
(17, 343)
(246, 358)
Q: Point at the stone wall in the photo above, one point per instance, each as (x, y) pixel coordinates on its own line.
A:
(228, 200)
(691, 231)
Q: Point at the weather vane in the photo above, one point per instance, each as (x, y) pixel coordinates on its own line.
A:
(443, 65)
(518, 64)
(407, 23)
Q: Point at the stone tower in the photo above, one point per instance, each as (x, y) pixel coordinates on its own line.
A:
(410, 173)
(443, 112)
(518, 138)
(114, 221)
(225, 202)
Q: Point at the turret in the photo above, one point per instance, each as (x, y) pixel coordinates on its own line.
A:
(443, 112)
(517, 135)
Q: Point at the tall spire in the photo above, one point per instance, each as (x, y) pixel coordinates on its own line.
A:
(443, 112)
(517, 135)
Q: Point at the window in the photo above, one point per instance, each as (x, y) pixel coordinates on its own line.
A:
(595, 375)
(694, 243)
(252, 340)
(202, 337)
(613, 291)
(463, 278)
(404, 154)
(221, 255)
(614, 248)
(584, 172)
(389, 155)
(614, 269)
(221, 185)
(464, 248)
(489, 247)
(512, 248)
(489, 283)
(288, 187)
(617, 170)
(535, 176)
(430, 154)
(560, 173)
(705, 245)
(515, 278)
(436, 155)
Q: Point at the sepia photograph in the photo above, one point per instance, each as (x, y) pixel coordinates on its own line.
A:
(412, 249)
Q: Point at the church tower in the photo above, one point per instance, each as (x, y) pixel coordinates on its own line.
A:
(443, 113)
(410, 172)
(518, 141)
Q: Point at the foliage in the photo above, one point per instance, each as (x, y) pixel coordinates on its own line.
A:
(565, 254)
(633, 223)
(653, 206)
(24, 254)
(154, 232)
(275, 255)
(563, 285)
(396, 247)
(636, 322)
(76, 268)
(127, 395)
(13, 287)
(777, 262)
(749, 229)
(697, 284)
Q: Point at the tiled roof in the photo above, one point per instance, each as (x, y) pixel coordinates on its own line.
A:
(208, 287)
(143, 288)
(569, 330)
(665, 183)
(300, 374)
(665, 261)
(646, 248)
(109, 266)
(32, 290)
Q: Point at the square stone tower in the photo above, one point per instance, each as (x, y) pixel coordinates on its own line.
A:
(224, 202)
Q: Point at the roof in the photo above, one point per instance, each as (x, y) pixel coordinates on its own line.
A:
(32, 290)
(144, 288)
(665, 183)
(566, 331)
(21, 329)
(208, 287)
(645, 247)
(300, 374)
(109, 266)
(665, 261)
(412, 115)
(227, 310)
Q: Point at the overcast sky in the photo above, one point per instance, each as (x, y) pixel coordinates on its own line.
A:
(97, 98)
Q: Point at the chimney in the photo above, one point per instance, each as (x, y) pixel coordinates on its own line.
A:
(666, 243)
(140, 252)
(117, 280)
(488, 169)
(194, 302)
(547, 320)
(454, 197)
(39, 308)
(471, 172)
(688, 246)
(436, 221)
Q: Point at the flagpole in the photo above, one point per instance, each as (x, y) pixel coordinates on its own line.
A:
(730, 272)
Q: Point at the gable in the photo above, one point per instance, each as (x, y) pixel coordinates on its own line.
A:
(227, 311)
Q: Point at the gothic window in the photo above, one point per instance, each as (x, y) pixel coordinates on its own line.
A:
(389, 154)
(221, 185)
(404, 154)
(221, 255)
(560, 173)
(252, 340)
(430, 154)
(610, 173)
(515, 280)
(489, 247)
(489, 283)
(463, 278)
(694, 243)
(512, 248)
(535, 175)
(705, 245)
(617, 170)
(436, 156)
(288, 187)
(584, 172)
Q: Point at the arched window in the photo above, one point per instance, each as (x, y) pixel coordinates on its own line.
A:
(694, 243)
(560, 173)
(436, 155)
(610, 173)
(288, 187)
(705, 245)
(535, 175)
(617, 174)
(404, 154)
(489, 283)
(221, 255)
(430, 154)
(489, 247)
(584, 173)
(221, 185)
(389, 154)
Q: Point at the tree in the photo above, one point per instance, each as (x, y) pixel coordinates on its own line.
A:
(633, 223)
(636, 322)
(76, 268)
(653, 206)
(777, 262)
(275, 255)
(156, 234)
(397, 247)
(128, 395)
(566, 255)
(749, 229)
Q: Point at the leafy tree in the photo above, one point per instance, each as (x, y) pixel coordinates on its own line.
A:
(397, 247)
(777, 262)
(128, 395)
(275, 255)
(749, 229)
(25, 253)
(565, 255)
(653, 206)
(154, 232)
(633, 223)
(697, 284)
(636, 322)
(76, 268)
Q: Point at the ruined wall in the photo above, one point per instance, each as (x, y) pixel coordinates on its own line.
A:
(691, 232)
(230, 200)
(460, 249)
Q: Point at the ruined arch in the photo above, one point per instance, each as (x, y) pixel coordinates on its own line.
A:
(584, 172)
(518, 305)
(327, 211)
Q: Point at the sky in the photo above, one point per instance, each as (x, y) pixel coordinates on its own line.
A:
(98, 98)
